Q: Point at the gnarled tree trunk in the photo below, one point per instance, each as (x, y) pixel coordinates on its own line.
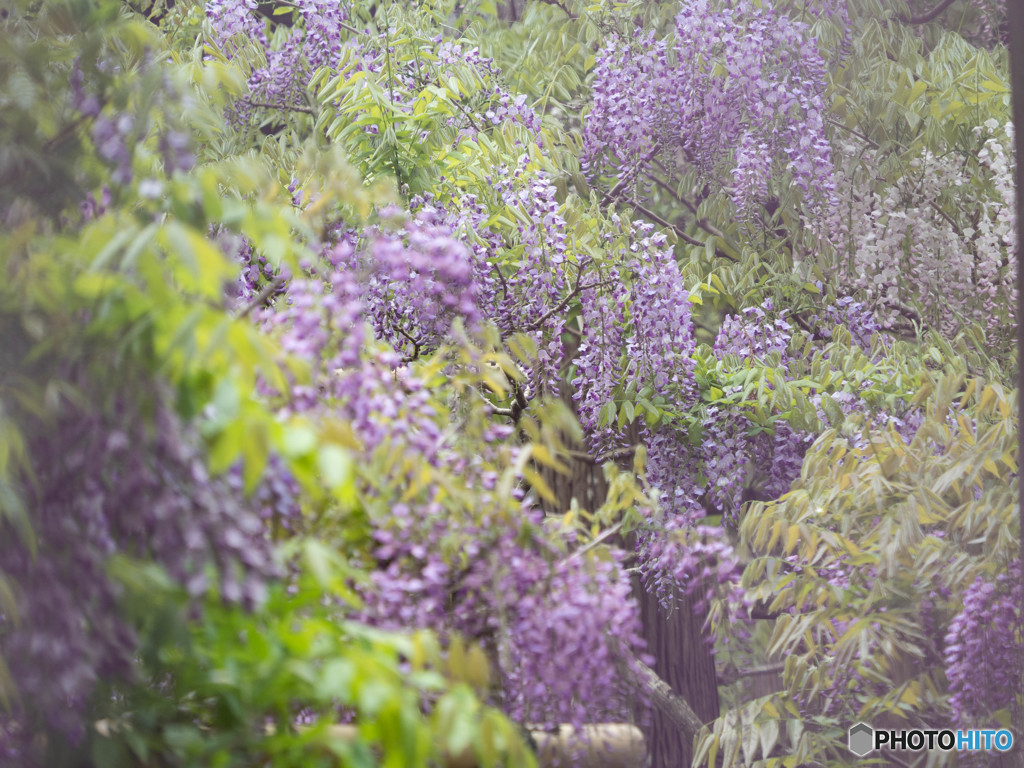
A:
(676, 639)
(683, 658)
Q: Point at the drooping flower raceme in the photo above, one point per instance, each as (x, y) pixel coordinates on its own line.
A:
(112, 486)
(640, 332)
(479, 567)
(524, 273)
(910, 258)
(983, 650)
(736, 92)
(417, 280)
(291, 54)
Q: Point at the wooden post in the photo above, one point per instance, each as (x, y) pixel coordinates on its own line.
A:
(600, 745)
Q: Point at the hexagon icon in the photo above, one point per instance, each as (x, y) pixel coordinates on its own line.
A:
(862, 739)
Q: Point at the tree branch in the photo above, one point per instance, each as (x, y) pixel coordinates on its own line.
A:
(704, 224)
(261, 298)
(617, 453)
(561, 5)
(658, 220)
(492, 408)
(629, 178)
(661, 695)
(501, 277)
(931, 15)
(614, 192)
(53, 142)
(679, 232)
(596, 542)
(768, 669)
(565, 302)
(852, 131)
(415, 344)
(760, 612)
(282, 107)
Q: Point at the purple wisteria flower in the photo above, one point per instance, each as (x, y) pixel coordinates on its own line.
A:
(736, 92)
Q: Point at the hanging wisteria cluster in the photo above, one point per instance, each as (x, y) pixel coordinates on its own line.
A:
(292, 52)
(911, 259)
(417, 281)
(736, 92)
(113, 487)
(462, 263)
(524, 276)
(116, 133)
(982, 649)
(537, 611)
(639, 330)
(554, 625)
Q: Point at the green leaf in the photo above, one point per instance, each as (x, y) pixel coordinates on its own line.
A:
(458, 714)
(298, 440)
(833, 411)
(336, 679)
(336, 467)
(629, 411)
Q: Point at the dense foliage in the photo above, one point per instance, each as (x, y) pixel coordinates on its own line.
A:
(310, 309)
